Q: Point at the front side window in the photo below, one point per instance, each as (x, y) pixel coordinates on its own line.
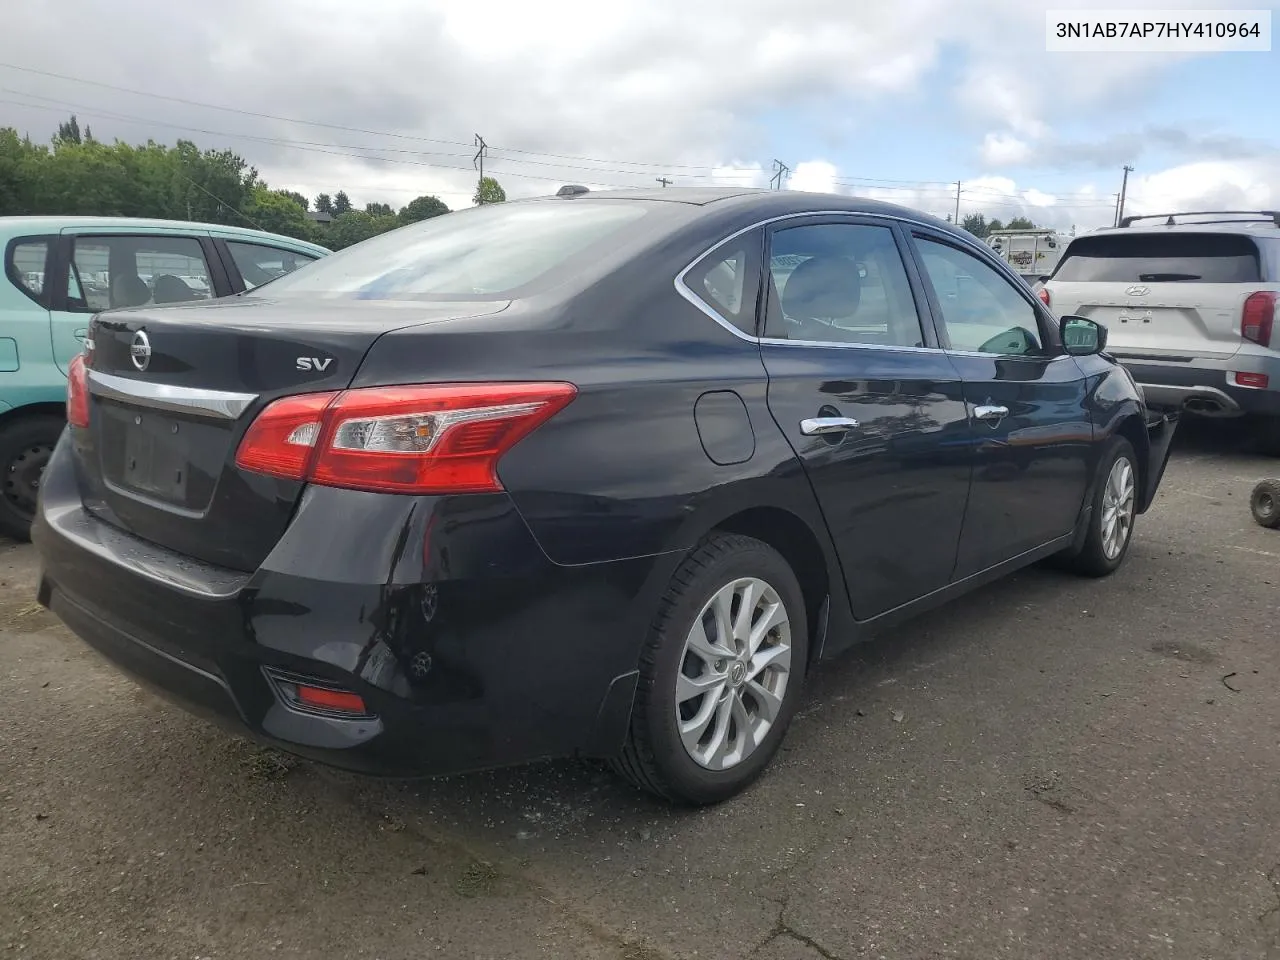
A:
(108, 272)
(840, 283)
(260, 264)
(25, 267)
(982, 311)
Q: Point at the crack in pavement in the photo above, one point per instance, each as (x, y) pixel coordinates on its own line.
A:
(781, 928)
(1272, 877)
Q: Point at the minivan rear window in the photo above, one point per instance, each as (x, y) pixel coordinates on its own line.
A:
(494, 251)
(1161, 258)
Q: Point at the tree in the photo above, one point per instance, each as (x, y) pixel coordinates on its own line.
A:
(1020, 223)
(354, 226)
(297, 198)
(276, 212)
(422, 208)
(324, 203)
(69, 132)
(489, 191)
(976, 223)
(378, 209)
(993, 226)
(341, 203)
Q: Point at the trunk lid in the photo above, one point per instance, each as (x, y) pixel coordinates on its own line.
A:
(1158, 320)
(173, 390)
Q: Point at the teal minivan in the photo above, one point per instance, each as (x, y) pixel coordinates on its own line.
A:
(58, 272)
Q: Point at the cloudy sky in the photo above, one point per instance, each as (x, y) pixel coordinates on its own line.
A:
(383, 98)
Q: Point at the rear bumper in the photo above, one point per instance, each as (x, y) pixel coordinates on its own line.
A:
(468, 646)
(1207, 387)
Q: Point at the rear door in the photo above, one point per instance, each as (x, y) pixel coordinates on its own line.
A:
(100, 270)
(1162, 296)
(1033, 436)
(870, 404)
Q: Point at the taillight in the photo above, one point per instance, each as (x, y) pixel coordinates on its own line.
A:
(436, 438)
(1043, 294)
(78, 392)
(1258, 317)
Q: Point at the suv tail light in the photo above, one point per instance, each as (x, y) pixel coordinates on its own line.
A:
(77, 392)
(1258, 317)
(1043, 294)
(434, 438)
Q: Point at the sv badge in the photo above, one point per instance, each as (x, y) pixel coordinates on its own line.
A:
(314, 363)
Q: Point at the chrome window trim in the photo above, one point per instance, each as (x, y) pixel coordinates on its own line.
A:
(215, 404)
(683, 289)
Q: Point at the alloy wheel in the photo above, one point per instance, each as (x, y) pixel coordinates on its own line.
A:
(1117, 508)
(733, 673)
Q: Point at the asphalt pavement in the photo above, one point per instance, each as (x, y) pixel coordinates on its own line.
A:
(1050, 767)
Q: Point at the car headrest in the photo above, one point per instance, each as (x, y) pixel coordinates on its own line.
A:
(129, 290)
(822, 288)
(171, 289)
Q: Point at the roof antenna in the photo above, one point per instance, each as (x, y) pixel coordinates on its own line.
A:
(572, 190)
(1169, 222)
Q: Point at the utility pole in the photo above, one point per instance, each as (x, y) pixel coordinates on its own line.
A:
(664, 181)
(1123, 185)
(1115, 209)
(477, 161)
(957, 220)
(780, 171)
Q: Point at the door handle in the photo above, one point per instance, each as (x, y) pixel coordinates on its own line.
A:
(81, 333)
(825, 426)
(988, 412)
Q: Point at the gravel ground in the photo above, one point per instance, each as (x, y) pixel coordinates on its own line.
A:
(1048, 768)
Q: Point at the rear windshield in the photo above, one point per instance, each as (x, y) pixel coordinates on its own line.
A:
(1161, 258)
(495, 251)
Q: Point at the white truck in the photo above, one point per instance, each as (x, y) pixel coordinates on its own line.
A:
(1033, 253)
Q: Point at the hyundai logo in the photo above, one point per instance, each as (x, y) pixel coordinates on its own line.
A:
(1138, 291)
(140, 350)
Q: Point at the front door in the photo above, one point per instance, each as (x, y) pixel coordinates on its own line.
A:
(104, 270)
(1033, 438)
(870, 404)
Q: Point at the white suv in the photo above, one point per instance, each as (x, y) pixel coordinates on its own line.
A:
(1190, 305)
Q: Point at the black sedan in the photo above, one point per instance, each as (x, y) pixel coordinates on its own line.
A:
(598, 474)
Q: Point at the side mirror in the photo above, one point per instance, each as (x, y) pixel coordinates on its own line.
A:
(1082, 337)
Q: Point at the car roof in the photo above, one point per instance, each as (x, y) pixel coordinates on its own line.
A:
(767, 203)
(1259, 228)
(52, 224)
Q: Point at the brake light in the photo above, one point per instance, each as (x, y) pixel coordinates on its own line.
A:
(1258, 317)
(1043, 294)
(1258, 381)
(434, 438)
(78, 392)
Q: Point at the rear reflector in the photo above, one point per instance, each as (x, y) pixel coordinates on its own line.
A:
(427, 439)
(77, 392)
(1259, 380)
(322, 698)
(1043, 294)
(1258, 317)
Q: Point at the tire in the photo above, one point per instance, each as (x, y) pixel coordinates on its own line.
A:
(1264, 503)
(25, 446)
(655, 757)
(1098, 557)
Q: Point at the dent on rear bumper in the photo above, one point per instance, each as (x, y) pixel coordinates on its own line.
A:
(468, 644)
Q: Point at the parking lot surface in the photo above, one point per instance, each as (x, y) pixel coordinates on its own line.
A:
(1050, 767)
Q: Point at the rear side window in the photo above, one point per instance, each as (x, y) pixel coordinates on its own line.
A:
(259, 264)
(491, 251)
(108, 272)
(1161, 258)
(728, 280)
(24, 266)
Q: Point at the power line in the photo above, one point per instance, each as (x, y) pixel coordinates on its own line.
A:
(780, 171)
